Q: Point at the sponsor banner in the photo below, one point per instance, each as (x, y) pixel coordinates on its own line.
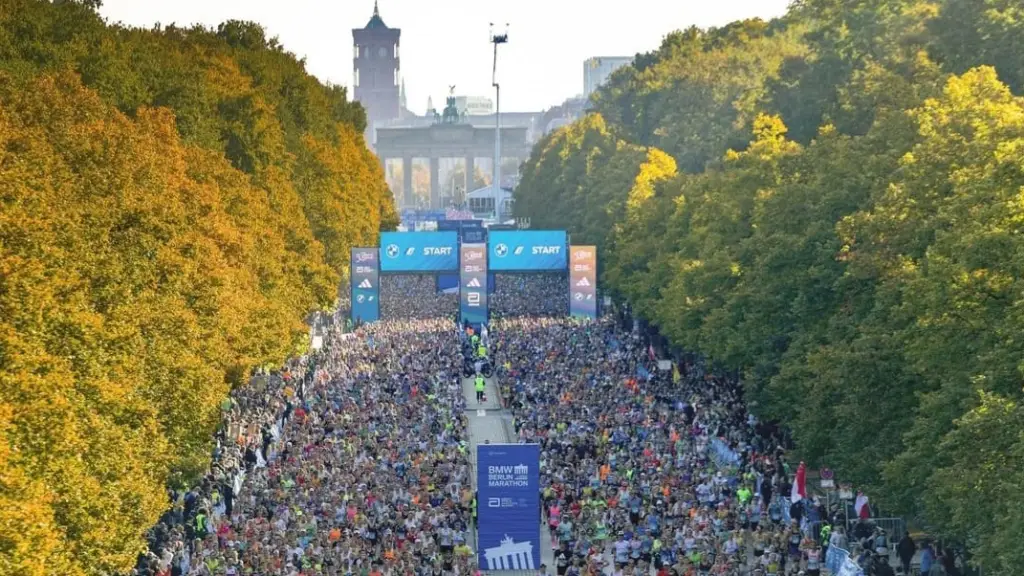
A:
(449, 283)
(365, 285)
(470, 231)
(508, 509)
(459, 224)
(474, 235)
(419, 251)
(454, 214)
(583, 281)
(473, 284)
(527, 250)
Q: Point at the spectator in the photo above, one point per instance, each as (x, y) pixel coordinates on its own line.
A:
(906, 550)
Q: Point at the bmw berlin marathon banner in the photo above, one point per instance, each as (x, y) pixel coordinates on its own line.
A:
(365, 285)
(583, 281)
(527, 250)
(508, 509)
(419, 251)
(473, 284)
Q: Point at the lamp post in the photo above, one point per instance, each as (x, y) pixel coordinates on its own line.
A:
(497, 39)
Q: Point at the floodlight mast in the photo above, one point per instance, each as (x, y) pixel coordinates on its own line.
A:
(497, 39)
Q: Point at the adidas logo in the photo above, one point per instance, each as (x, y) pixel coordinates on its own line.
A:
(366, 284)
(474, 283)
(583, 282)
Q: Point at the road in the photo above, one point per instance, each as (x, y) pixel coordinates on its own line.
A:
(490, 423)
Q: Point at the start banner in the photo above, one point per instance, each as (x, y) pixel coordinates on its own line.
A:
(527, 250)
(419, 251)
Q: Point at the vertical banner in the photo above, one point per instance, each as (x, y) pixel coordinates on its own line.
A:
(365, 285)
(583, 281)
(508, 506)
(473, 284)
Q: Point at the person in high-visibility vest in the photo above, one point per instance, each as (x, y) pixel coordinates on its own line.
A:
(826, 535)
(480, 386)
(475, 339)
(200, 530)
(481, 351)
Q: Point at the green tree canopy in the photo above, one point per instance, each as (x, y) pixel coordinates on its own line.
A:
(845, 231)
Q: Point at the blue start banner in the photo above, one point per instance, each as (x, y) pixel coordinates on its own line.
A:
(508, 508)
(527, 250)
(365, 285)
(419, 251)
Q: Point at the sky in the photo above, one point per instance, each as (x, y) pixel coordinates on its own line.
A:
(446, 42)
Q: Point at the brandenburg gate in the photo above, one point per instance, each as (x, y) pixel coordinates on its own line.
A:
(446, 140)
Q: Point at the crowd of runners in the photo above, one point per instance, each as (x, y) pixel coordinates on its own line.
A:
(350, 462)
(354, 461)
(530, 295)
(644, 470)
(415, 296)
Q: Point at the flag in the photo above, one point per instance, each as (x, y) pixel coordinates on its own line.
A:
(861, 506)
(675, 373)
(799, 484)
(650, 352)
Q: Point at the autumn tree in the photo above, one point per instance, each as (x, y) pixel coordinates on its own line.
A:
(173, 203)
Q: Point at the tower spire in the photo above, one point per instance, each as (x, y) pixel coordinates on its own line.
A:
(376, 12)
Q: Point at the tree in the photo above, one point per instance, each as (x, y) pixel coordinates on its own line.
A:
(167, 222)
(856, 260)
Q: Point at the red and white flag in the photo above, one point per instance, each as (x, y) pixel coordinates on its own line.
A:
(799, 484)
(650, 352)
(861, 506)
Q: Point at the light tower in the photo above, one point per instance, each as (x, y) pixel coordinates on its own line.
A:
(497, 39)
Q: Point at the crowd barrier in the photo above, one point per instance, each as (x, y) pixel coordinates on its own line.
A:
(838, 562)
(894, 528)
(722, 454)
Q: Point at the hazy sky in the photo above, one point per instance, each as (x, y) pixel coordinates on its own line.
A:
(446, 42)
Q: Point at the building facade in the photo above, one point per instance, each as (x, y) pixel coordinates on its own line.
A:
(597, 70)
(377, 83)
(474, 105)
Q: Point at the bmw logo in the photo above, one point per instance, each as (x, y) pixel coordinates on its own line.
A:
(500, 250)
(392, 250)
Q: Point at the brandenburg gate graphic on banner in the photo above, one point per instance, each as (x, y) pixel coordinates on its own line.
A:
(510, 556)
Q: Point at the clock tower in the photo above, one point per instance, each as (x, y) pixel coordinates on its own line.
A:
(377, 79)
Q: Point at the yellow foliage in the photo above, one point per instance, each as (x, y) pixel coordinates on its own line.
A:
(138, 275)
